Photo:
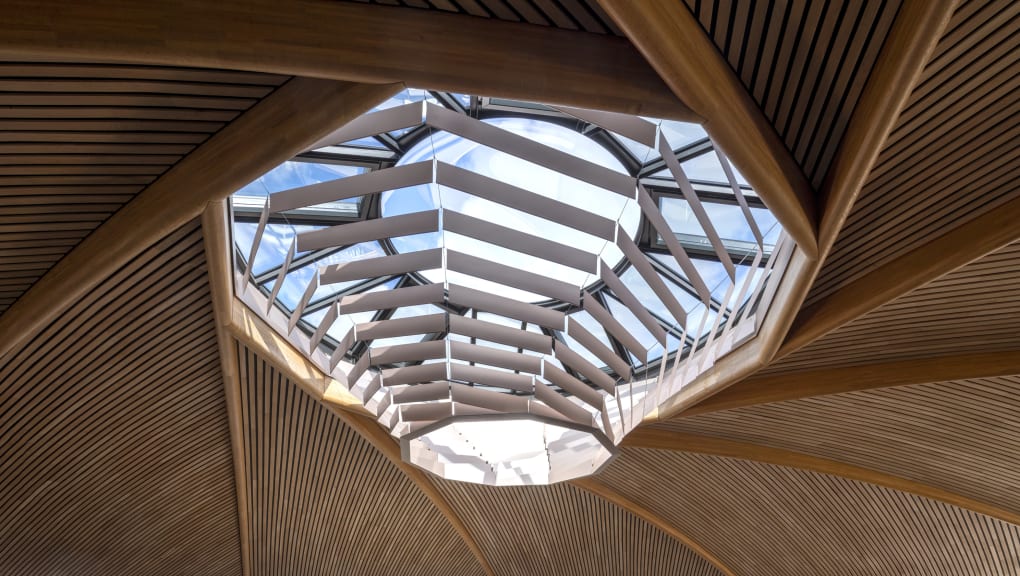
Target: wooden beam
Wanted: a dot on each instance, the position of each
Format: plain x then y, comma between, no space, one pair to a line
683,442
601,490
347,41
271,132
954,249
912,40
682,53
388,445
249,329
215,230
808,383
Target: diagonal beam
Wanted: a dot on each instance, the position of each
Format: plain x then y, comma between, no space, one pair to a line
958,247
271,132
912,40
253,332
915,33
347,41
603,491
676,46
808,383
684,442
215,237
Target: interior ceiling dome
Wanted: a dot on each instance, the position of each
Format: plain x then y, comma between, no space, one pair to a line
509,287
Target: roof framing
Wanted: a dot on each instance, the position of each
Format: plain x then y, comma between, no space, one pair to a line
349,41
940,256
915,34
302,111
712,446
764,389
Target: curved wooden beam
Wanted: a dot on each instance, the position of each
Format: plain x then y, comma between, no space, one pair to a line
235,320
822,382
347,41
958,247
674,43
912,40
271,132
602,491
684,442
216,238
915,34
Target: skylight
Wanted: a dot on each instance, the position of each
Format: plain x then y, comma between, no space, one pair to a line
448,263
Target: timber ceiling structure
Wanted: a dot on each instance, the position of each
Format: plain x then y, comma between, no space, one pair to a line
150,425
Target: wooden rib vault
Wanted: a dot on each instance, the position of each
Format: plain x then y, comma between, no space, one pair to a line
152,423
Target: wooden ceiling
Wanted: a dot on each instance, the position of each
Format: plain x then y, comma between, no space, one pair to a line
322,500
115,435
79,140
952,155
116,458
764,519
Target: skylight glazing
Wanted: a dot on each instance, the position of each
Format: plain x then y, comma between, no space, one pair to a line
452,257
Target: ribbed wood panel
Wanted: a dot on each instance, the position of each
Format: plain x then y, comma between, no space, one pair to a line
973,309
323,500
961,436
805,63
585,15
115,455
953,153
561,530
769,520
79,140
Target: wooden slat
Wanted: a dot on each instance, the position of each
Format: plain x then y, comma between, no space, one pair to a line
693,68
563,530
324,500
125,467
659,439
343,41
779,521
599,489
950,159
304,109
79,140
961,436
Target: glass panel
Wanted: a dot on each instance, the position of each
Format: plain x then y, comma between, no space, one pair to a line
296,174
632,324
680,134
276,240
707,168
366,142
296,281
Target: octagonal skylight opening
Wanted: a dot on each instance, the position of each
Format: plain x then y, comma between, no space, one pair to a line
464,259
